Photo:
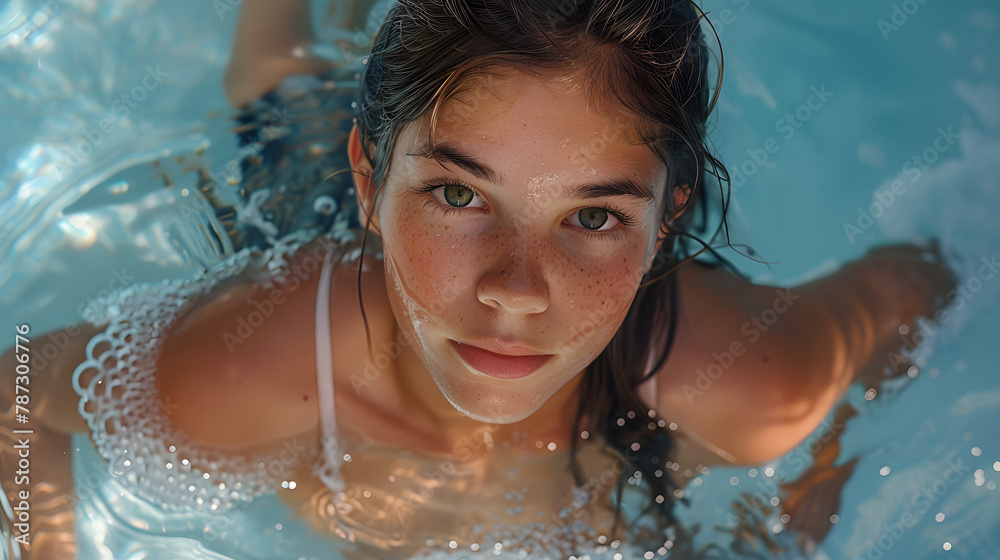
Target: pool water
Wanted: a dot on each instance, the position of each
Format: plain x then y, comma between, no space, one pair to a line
844,126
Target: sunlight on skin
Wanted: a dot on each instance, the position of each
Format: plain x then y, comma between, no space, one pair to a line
515,263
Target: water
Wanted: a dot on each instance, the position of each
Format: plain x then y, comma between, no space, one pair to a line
824,109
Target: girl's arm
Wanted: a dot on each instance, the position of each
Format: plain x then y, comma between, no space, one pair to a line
756,369
272,41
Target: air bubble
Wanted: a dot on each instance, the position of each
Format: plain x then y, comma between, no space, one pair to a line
324,205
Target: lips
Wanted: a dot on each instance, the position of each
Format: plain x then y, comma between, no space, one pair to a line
501,366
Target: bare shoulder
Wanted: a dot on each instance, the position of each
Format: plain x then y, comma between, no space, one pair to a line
729,380
247,349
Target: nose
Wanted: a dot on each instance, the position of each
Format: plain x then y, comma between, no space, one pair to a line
515,283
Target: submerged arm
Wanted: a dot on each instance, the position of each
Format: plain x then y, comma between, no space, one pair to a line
273,40
757,368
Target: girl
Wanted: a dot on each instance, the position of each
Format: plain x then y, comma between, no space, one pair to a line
517,324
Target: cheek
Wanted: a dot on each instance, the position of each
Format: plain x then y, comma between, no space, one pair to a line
432,259
598,290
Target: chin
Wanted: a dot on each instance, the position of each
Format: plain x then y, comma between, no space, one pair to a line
485,402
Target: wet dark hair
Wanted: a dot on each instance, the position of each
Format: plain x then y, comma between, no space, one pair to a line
645,61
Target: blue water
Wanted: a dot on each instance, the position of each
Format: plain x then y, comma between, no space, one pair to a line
823,110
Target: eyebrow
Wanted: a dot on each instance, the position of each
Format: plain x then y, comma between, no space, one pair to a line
616,186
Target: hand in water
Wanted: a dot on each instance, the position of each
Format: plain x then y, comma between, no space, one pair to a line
905,282
914,280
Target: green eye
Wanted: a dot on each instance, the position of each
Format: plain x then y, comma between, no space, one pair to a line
593,218
458,196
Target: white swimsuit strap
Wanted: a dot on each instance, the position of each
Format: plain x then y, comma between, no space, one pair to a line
324,352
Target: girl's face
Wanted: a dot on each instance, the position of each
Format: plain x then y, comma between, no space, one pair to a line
529,234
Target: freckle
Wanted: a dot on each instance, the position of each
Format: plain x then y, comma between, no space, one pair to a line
765,358
305,398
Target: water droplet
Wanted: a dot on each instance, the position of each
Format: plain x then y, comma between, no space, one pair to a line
324,205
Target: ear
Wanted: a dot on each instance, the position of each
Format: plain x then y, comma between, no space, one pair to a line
364,187
681,197
661,237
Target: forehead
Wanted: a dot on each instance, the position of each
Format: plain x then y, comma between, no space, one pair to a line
526,127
